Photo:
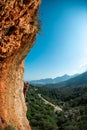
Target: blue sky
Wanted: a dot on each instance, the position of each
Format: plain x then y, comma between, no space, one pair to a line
61,48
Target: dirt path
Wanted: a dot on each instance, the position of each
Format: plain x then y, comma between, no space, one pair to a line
57,108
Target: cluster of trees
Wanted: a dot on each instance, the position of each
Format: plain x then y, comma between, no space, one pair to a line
40,115
73,101
75,95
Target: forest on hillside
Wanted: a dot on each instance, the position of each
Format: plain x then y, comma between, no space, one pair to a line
72,100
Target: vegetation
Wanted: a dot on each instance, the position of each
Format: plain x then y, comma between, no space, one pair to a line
73,101
37,23
40,115
9,128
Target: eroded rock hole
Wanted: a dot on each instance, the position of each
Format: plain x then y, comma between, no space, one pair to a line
1,59
10,30
0,7
26,1
3,120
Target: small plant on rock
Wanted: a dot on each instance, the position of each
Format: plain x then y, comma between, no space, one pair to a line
10,128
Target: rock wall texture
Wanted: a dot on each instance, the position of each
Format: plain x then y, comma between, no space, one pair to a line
18,28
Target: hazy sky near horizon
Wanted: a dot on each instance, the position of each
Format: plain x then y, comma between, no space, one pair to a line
61,48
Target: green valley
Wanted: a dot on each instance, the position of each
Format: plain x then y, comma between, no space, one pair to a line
73,101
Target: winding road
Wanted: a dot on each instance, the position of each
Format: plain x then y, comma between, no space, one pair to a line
56,108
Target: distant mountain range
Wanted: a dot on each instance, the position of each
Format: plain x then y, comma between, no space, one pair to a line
80,79
52,81
62,81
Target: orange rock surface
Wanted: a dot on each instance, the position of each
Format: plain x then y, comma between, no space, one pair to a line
18,28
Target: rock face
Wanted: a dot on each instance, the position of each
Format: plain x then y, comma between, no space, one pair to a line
18,28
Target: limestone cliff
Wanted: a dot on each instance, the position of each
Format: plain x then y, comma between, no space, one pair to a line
18,28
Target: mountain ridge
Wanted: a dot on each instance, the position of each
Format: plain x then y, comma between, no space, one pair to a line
80,79
52,80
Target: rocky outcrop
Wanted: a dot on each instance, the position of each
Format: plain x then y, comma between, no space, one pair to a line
18,28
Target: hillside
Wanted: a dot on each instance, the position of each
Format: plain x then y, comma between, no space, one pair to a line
73,101
40,115
70,95
50,80
80,79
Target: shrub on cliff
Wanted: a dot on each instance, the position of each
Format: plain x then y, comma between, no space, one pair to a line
10,128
